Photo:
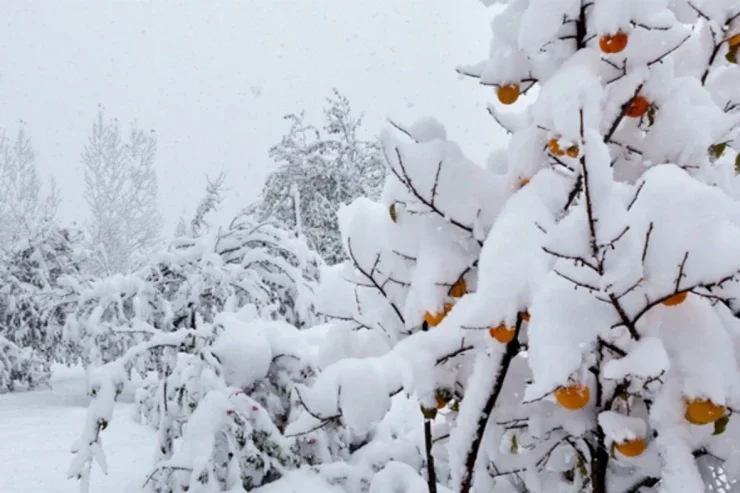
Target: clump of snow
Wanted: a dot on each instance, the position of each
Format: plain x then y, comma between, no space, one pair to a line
244,352
427,129
647,358
620,428
397,477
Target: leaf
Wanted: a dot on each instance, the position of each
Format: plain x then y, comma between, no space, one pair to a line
514,445
651,115
581,466
737,163
731,56
720,425
717,149
392,211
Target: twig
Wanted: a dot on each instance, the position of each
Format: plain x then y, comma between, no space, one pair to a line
373,281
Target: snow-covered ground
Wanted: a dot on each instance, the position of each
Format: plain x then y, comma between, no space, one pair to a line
38,428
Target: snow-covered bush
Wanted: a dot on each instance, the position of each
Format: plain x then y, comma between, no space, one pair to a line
255,264
594,337
34,274
213,326
318,172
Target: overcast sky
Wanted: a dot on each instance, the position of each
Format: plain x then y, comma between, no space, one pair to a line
214,79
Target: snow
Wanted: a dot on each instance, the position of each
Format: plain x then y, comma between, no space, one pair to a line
620,428
244,351
647,358
397,477
42,425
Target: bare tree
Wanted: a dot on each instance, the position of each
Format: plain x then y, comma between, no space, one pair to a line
121,191
24,209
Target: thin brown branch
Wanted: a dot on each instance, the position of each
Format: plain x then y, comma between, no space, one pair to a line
407,182
373,281
512,349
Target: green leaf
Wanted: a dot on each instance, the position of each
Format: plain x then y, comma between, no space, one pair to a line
720,425
717,149
731,56
581,466
514,445
737,163
392,211
651,115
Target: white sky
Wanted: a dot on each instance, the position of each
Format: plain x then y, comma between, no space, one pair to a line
214,79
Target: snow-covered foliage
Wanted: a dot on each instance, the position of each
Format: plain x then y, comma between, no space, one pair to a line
34,275
318,172
24,209
207,206
121,191
569,309
213,324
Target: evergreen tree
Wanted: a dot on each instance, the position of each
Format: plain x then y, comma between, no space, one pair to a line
36,276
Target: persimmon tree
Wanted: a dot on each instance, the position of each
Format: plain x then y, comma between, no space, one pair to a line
594,344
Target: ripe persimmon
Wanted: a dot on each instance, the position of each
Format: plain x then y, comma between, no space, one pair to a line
502,333
637,107
573,151
613,43
676,299
631,448
508,93
703,411
554,147
459,289
434,319
573,397
734,41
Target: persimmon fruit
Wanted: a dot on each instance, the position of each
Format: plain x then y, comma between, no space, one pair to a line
676,299
703,411
434,319
554,147
459,289
637,107
613,43
508,93
631,448
573,397
502,333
